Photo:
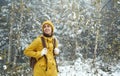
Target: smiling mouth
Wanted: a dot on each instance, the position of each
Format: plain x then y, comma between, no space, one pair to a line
47,30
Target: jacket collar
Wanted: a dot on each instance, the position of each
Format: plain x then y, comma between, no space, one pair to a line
49,39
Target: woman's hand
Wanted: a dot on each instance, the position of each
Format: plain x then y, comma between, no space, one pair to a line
44,51
56,51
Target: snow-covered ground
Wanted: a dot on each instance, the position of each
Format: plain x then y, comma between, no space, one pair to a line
84,69
81,67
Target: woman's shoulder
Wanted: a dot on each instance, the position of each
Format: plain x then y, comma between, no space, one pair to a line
54,37
38,38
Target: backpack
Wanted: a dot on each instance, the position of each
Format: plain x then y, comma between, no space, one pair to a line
33,60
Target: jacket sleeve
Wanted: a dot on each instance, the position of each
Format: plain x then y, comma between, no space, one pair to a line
32,49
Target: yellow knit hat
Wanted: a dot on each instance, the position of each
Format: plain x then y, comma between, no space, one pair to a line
48,22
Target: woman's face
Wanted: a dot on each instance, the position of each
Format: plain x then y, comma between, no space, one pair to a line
47,29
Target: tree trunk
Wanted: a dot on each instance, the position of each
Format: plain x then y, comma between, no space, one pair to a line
19,34
10,34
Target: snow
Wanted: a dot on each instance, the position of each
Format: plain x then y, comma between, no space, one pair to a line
1,58
4,67
116,74
81,68
118,2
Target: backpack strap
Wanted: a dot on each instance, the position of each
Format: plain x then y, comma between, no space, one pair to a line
54,46
43,42
44,45
54,43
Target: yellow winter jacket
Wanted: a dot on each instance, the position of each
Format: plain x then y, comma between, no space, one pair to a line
34,50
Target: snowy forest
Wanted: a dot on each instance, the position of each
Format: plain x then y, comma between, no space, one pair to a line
88,32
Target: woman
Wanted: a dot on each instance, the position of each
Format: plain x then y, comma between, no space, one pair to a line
36,50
